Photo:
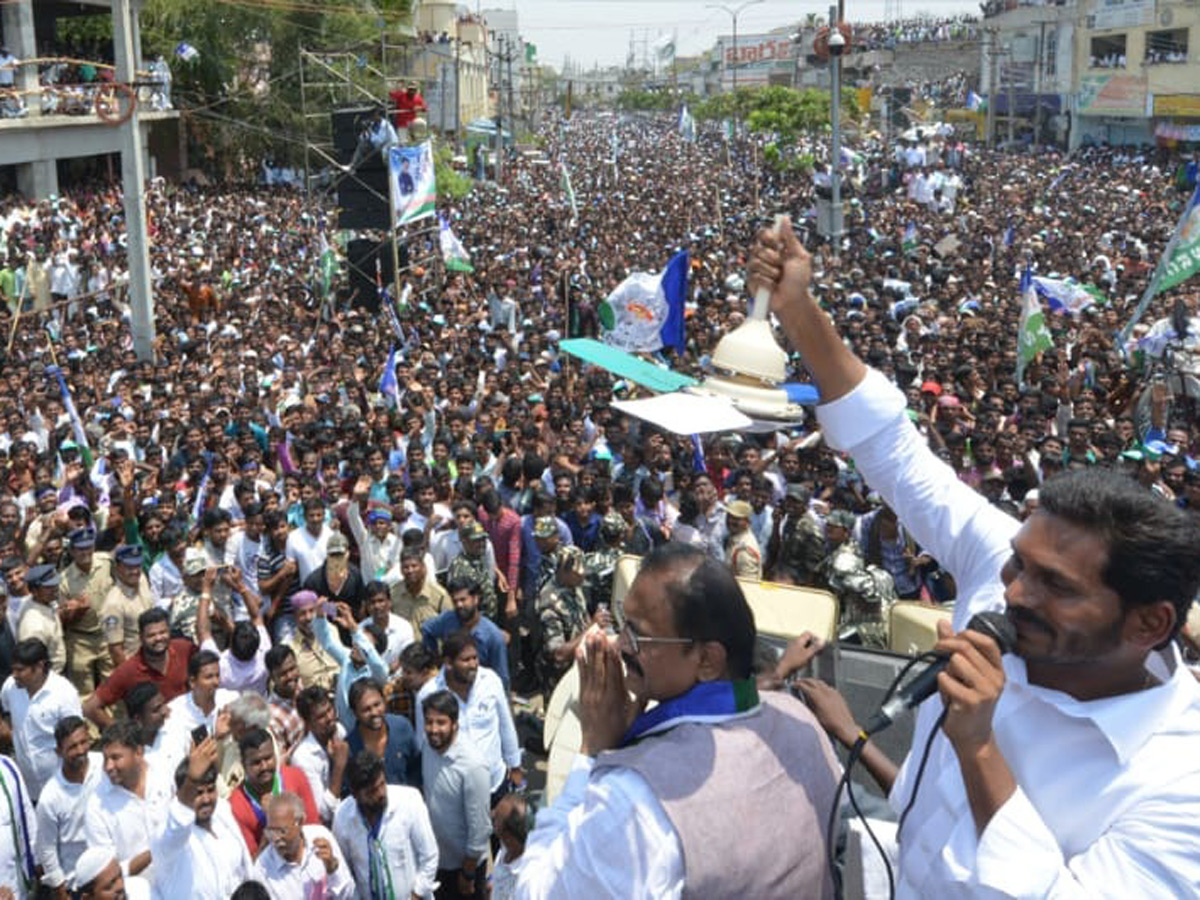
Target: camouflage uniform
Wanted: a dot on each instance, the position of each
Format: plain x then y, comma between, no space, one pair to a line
476,569
563,614
865,593
801,548
546,569
598,569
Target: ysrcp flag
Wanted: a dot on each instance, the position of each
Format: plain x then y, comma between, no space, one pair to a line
454,254
1183,259
687,125
645,312
411,179
1033,337
1067,295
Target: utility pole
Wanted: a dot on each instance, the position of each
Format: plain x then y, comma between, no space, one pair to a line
512,116
1008,69
499,114
1037,83
133,177
993,85
457,90
733,14
836,45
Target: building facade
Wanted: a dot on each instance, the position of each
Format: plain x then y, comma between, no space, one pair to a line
49,108
450,60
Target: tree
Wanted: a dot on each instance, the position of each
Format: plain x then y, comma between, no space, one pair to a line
241,94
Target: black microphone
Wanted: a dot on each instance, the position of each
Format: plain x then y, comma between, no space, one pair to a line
993,624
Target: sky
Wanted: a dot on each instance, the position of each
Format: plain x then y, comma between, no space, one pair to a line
597,31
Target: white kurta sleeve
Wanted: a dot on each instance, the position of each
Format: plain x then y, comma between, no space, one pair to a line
605,837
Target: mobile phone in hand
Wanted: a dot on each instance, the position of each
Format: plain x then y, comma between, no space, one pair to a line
199,733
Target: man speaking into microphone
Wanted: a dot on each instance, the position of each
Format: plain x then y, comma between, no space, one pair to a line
1070,767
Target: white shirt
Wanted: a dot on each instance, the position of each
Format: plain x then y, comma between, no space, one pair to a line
311,759
199,863
33,721
238,676
60,819
407,839
184,716
19,816
307,878
380,560
1107,800
602,837
166,582
485,719
306,550
120,819
245,555
168,750
399,635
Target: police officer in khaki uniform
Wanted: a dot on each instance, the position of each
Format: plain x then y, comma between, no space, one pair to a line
127,599
81,592
742,552
39,619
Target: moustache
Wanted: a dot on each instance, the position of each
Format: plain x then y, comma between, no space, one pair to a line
1020,616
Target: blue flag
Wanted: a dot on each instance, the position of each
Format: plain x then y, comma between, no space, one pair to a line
645,312
674,289
699,465
388,386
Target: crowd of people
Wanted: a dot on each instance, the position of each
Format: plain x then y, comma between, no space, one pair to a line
70,78
267,617
920,30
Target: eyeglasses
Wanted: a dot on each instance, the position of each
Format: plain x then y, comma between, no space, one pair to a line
636,640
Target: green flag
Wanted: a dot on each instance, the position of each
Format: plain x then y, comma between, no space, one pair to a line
1033,337
1180,260
328,264
531,53
569,191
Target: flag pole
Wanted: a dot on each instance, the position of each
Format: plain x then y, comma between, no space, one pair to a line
1152,287
720,215
17,313
395,226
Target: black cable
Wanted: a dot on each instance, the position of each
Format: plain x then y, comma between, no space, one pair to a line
844,784
830,830
887,866
912,797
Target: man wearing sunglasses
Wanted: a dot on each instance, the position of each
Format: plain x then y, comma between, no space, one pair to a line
677,794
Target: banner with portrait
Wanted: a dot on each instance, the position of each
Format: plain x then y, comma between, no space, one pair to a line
411,182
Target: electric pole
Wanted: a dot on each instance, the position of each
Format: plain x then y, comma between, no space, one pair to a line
133,176
512,113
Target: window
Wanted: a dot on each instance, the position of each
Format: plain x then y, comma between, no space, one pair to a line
1167,46
1108,52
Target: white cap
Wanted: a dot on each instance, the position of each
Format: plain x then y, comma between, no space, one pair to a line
91,863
